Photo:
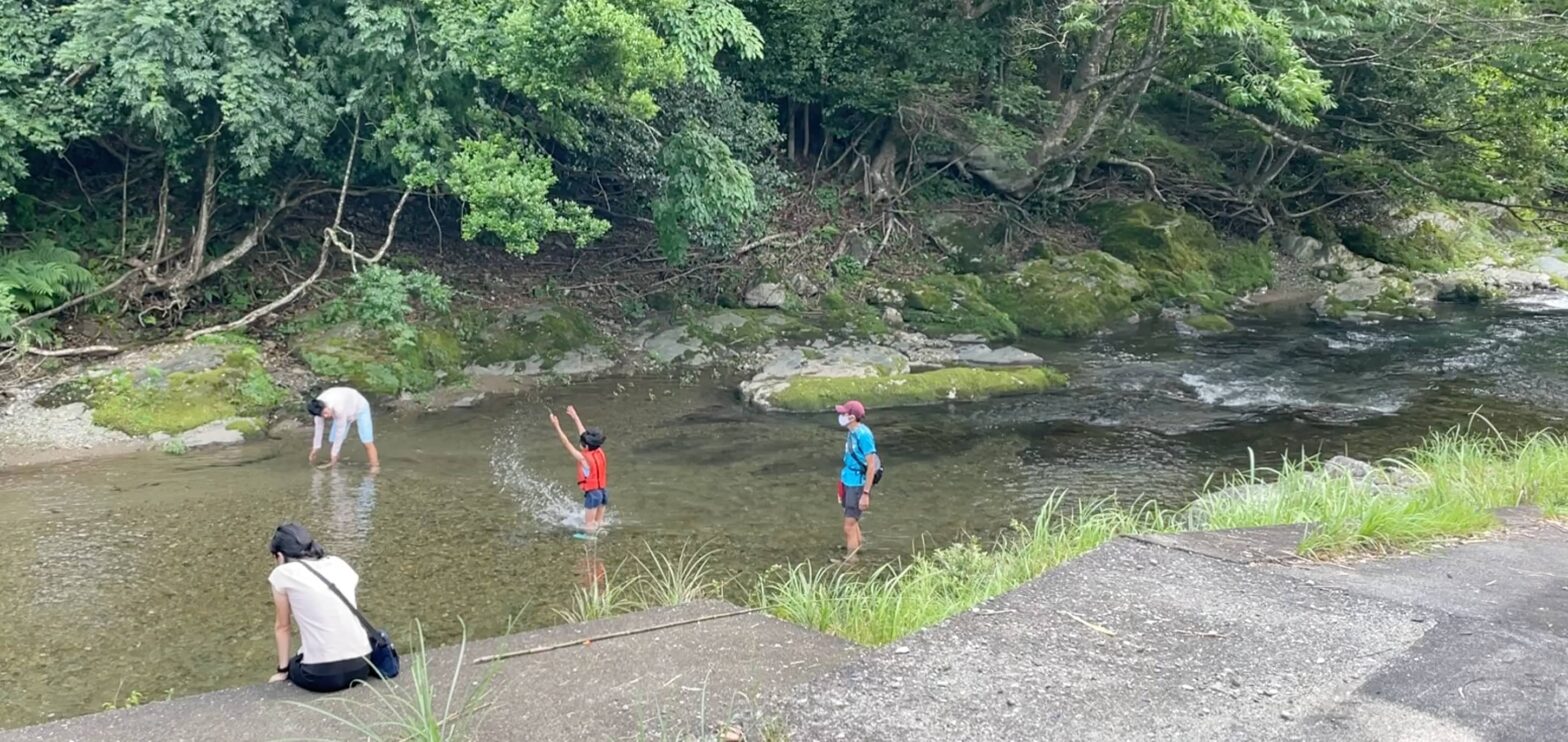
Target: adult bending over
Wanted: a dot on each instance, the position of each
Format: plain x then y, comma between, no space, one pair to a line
343,406
332,642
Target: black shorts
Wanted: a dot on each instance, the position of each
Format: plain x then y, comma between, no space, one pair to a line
851,502
327,677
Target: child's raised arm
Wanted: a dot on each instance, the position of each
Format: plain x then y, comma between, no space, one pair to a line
572,411
565,441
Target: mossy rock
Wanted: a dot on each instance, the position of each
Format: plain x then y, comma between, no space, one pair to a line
742,329
944,304
843,315
372,361
1471,290
1069,296
1210,324
1169,248
1382,296
1242,267
250,427
1435,240
545,334
152,401
973,243
820,394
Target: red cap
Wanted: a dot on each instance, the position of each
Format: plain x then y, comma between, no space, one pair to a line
853,409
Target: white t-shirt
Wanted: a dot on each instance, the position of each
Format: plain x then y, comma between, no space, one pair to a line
328,630
346,405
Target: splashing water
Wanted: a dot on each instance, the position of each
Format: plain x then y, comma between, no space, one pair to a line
545,499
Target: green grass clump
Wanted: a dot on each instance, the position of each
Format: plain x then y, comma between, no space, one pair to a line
899,599
817,394
1443,489
180,401
1070,296
942,304
650,582
1454,480
415,705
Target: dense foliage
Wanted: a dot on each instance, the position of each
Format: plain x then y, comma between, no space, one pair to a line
177,138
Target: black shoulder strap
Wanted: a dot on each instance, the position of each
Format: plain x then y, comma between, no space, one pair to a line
334,588
854,450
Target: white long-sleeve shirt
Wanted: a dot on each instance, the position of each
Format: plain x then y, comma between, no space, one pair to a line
346,405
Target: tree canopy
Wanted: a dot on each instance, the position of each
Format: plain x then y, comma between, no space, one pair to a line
184,134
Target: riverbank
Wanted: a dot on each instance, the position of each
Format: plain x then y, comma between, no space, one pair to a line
1196,635
930,324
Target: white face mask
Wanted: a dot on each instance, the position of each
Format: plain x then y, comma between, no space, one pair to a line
844,420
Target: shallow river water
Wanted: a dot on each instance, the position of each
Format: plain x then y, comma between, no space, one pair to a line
148,572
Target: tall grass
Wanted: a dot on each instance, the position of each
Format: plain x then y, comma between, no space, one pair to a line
898,599
686,577
646,582
1444,488
414,707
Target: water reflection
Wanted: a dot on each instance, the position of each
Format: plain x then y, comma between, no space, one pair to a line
349,505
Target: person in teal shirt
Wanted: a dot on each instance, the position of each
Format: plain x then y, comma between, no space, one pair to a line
862,468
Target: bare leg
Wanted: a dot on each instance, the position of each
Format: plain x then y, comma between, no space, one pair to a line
851,537
375,459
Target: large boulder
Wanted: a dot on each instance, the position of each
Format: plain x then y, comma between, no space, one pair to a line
943,304
211,381
375,361
972,242
1372,298
545,339
1181,256
767,296
727,337
1069,296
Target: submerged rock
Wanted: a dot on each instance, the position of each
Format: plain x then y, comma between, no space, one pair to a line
799,378
820,394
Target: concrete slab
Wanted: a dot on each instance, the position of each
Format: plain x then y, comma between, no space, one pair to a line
1516,579
665,684
1240,545
1132,641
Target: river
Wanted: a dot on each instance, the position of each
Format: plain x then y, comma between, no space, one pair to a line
148,572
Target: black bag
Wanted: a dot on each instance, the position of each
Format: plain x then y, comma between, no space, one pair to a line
383,656
875,478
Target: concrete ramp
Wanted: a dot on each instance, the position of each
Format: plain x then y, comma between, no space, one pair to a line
662,684
1132,641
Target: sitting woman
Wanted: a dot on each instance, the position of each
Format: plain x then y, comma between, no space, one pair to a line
332,641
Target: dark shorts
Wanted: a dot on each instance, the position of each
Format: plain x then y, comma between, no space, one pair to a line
852,503
596,499
327,677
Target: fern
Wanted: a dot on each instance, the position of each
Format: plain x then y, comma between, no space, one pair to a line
32,280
